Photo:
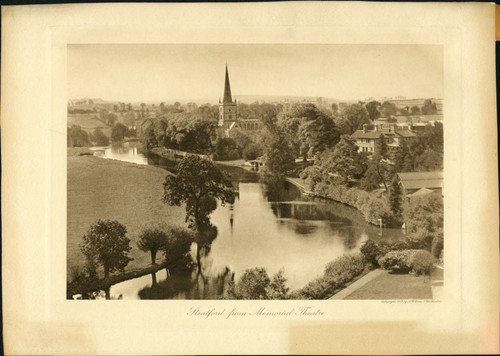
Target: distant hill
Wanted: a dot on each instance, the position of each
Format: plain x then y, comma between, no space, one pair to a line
249,99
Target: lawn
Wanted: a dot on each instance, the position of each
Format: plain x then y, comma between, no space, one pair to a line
394,286
108,189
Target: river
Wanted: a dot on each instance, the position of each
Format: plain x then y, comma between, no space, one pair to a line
275,227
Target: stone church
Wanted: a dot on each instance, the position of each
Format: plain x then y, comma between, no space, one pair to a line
228,114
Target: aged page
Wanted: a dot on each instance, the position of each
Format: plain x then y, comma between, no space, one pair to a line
303,178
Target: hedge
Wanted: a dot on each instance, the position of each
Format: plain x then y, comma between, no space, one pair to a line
373,207
335,276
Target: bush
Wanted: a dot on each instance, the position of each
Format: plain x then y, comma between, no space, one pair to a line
371,251
397,245
421,240
398,261
437,245
336,275
404,261
344,268
252,151
256,284
423,262
320,288
372,206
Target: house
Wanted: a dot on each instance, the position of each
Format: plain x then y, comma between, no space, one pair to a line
394,136
420,183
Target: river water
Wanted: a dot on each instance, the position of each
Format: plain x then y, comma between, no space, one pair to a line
275,227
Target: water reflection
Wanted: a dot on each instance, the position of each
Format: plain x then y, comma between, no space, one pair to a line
122,151
189,286
271,225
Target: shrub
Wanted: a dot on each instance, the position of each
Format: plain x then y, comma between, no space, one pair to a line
252,151
253,284
336,275
398,261
422,262
371,251
256,284
320,288
397,245
420,240
344,268
437,245
404,261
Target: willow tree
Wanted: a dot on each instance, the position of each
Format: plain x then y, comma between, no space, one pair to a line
198,184
152,240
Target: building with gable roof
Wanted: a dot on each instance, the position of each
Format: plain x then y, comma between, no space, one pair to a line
394,135
420,183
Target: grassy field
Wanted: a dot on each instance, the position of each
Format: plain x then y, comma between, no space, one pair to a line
88,122
109,189
394,286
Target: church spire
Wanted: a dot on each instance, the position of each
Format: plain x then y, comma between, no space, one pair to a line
227,90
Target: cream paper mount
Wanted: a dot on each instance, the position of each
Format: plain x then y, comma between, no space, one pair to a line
39,320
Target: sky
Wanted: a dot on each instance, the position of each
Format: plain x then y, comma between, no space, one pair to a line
190,72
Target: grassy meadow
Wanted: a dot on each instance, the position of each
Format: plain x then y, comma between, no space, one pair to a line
109,189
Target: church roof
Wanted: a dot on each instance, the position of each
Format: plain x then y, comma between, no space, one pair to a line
227,89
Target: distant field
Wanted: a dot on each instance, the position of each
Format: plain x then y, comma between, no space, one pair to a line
418,102
108,189
415,119
88,122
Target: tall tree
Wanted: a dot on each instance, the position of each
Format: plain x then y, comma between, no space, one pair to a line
353,118
381,147
317,134
278,156
395,198
371,179
372,108
341,161
198,184
429,107
119,132
77,137
100,137
388,109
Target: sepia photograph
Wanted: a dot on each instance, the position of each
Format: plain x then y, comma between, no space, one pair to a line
255,171
273,178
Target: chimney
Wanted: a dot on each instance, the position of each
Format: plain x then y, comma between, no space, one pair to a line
376,127
364,128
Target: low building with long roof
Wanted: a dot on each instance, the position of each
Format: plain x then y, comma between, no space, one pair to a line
420,183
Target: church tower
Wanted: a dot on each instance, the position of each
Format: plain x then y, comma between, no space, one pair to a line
228,110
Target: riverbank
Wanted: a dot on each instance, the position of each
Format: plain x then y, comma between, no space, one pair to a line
109,189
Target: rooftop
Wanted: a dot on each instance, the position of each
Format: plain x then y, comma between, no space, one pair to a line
418,180
367,134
